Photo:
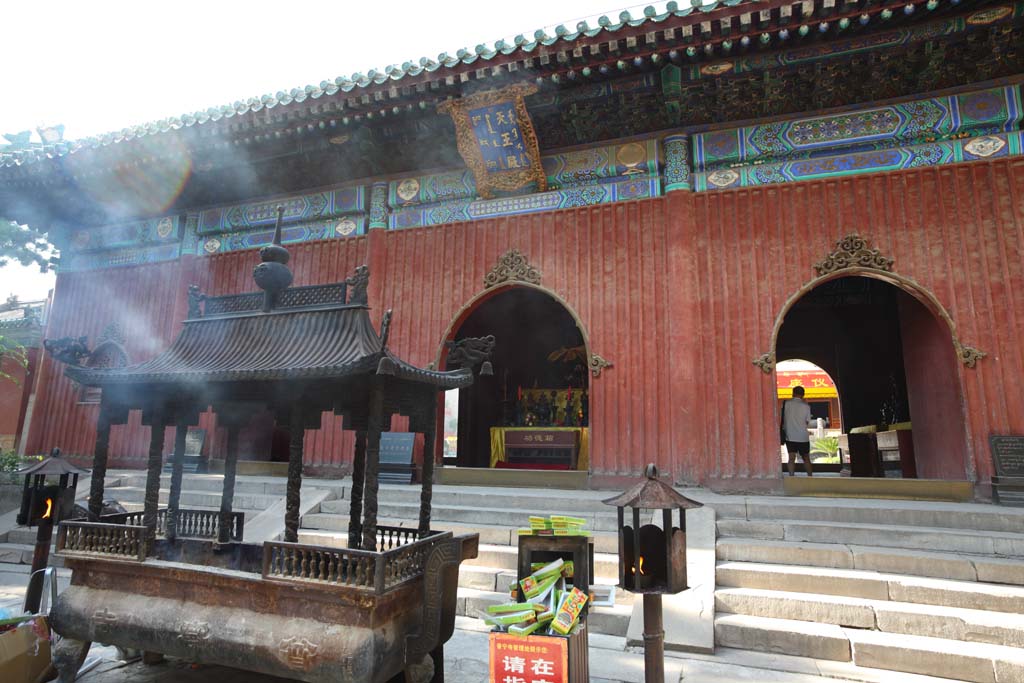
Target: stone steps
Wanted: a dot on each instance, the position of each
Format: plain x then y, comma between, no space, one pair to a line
871,585
21,554
529,501
212,483
939,539
514,516
969,625
965,567
242,502
838,513
941,657
914,587
332,530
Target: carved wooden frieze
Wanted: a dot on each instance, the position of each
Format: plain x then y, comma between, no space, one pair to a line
852,252
512,267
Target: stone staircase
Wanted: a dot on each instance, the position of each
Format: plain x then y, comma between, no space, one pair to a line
915,587
494,513
935,589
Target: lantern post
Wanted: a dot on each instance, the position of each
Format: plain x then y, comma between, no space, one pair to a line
652,559
48,497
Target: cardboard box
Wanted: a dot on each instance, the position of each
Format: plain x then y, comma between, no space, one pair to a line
25,652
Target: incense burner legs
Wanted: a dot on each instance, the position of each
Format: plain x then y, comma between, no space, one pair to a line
68,656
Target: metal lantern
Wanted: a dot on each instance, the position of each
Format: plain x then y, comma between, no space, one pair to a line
48,497
652,559
49,493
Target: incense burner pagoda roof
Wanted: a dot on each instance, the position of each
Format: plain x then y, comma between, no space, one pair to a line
705,32
302,342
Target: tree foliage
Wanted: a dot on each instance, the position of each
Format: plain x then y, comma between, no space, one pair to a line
13,351
23,244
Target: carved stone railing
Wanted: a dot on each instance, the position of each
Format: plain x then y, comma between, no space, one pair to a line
121,541
191,523
375,571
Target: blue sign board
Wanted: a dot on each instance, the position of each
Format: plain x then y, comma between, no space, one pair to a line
498,136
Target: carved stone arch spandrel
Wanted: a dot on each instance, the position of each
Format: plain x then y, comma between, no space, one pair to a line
853,256
513,266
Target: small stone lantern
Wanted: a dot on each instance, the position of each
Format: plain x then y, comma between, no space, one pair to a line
652,559
44,503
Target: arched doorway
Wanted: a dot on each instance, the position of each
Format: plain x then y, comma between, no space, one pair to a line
881,340
540,381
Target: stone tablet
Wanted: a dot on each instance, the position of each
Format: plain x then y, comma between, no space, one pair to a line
1007,455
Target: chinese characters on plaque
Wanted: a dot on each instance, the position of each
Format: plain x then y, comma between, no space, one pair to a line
496,139
533,659
497,134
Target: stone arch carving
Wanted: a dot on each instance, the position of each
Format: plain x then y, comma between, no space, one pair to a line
853,257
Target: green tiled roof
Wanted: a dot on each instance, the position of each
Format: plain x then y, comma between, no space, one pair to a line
391,74
712,26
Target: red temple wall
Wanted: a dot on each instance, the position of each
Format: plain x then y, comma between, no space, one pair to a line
680,293
12,398
936,408
957,230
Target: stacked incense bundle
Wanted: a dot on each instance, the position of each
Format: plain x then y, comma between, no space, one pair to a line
556,525
551,602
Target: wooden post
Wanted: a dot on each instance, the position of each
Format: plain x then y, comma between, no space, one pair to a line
40,558
293,502
654,639
99,463
427,485
355,511
153,468
228,494
180,432
375,427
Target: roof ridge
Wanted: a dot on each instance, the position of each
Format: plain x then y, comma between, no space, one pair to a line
374,76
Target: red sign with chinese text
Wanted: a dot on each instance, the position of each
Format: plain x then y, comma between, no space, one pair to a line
533,659
541,438
808,379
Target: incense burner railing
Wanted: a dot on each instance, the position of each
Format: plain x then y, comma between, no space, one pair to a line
120,541
191,523
400,559
336,615
338,566
389,537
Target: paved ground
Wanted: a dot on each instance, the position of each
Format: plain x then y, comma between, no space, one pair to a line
466,654
466,662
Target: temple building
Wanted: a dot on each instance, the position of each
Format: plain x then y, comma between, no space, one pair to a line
21,323
647,213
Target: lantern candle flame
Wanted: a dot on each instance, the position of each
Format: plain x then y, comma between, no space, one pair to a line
641,567
49,508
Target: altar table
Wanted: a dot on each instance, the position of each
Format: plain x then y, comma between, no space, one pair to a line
498,443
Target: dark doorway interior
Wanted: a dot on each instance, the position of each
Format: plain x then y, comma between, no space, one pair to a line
893,359
849,327
529,326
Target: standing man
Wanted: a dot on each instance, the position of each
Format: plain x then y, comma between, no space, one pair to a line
796,416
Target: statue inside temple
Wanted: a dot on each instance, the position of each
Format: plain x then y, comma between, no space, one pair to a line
543,411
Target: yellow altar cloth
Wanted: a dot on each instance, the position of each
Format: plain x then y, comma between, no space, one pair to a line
498,444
